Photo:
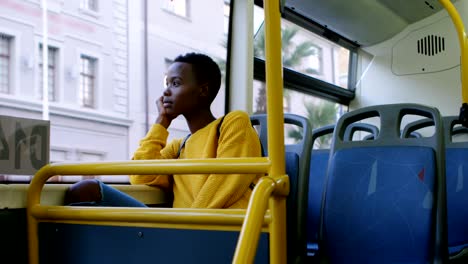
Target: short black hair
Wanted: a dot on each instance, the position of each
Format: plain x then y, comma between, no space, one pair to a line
205,70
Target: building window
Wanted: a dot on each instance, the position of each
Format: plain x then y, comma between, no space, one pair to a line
87,81
5,54
178,7
167,63
226,10
91,5
52,71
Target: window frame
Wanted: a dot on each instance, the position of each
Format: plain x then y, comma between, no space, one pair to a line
84,4
8,57
166,8
54,68
308,84
81,91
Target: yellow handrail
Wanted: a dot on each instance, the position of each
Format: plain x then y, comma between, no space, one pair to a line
457,21
275,120
250,233
141,216
270,192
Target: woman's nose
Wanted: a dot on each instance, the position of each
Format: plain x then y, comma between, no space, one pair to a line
166,91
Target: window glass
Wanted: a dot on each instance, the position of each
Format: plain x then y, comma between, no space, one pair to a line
306,52
107,71
320,112
87,81
178,7
5,54
52,61
227,10
91,5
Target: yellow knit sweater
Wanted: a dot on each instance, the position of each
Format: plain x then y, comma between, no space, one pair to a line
237,139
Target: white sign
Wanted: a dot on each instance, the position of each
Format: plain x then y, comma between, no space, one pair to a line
24,145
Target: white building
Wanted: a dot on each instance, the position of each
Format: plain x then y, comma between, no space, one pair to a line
103,79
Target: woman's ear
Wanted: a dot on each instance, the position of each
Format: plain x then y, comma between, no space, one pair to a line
204,90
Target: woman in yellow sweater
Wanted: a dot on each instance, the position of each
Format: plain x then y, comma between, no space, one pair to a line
192,83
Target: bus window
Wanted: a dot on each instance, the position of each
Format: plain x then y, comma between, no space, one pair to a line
320,112
107,62
316,74
306,52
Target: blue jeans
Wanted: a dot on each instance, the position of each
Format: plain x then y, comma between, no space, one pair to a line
112,197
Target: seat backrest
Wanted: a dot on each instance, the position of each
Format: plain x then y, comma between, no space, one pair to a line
410,129
384,199
456,165
355,127
457,194
297,158
318,170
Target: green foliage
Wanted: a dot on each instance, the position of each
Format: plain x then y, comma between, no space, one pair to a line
319,114
293,54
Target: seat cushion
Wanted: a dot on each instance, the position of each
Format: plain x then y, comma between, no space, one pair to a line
379,205
457,198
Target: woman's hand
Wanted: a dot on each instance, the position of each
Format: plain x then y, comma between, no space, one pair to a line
163,118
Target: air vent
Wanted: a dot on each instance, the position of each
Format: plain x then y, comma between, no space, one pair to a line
426,47
431,45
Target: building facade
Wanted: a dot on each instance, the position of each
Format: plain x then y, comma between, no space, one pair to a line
106,65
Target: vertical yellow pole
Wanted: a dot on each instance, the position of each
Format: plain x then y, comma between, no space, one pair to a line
457,21
33,243
275,120
274,84
32,200
250,233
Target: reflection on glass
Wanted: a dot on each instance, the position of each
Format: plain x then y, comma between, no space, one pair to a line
105,70
306,52
320,112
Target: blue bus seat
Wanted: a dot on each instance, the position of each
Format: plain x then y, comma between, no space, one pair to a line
456,165
384,199
409,131
457,194
318,169
96,244
297,156
355,127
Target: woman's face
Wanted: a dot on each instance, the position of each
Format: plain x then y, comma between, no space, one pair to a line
182,93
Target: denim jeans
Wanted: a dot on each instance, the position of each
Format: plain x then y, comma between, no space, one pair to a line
112,197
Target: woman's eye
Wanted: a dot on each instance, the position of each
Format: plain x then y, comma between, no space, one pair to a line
175,84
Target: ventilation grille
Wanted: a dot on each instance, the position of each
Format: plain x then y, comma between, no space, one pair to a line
431,45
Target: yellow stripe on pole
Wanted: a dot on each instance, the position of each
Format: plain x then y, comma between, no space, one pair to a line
457,21
274,84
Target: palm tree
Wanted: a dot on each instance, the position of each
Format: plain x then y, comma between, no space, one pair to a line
320,114
293,54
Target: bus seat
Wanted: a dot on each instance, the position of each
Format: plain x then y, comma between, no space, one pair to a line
409,131
365,127
95,244
455,166
384,199
297,156
318,169
457,195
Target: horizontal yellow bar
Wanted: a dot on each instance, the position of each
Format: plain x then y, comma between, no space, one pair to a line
142,167
215,227
142,215
167,166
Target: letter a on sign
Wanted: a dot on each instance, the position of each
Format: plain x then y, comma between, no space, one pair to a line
24,145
